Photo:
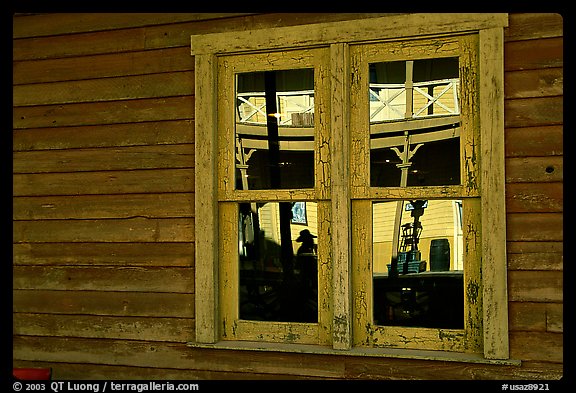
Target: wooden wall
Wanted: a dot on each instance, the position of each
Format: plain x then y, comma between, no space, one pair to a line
534,185
103,185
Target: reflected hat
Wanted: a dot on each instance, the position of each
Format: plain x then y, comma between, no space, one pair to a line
305,234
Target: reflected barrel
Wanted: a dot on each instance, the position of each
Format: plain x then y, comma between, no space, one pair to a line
439,255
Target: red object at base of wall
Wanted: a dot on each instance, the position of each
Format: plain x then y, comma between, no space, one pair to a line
32,373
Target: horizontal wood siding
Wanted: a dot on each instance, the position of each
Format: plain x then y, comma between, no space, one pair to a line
103,203
534,186
103,184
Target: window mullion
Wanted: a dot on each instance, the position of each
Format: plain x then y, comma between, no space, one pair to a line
340,189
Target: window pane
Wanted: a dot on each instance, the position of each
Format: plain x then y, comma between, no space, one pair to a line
278,261
275,130
414,123
425,288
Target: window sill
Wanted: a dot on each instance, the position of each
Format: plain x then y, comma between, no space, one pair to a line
358,351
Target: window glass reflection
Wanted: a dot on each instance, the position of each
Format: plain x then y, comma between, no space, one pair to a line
414,123
418,263
275,130
278,259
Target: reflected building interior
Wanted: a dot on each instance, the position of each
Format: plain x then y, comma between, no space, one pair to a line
274,136
417,245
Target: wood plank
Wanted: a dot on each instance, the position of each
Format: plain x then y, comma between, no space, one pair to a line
124,111
162,355
541,317
104,159
525,26
534,227
376,369
102,66
105,182
168,84
136,304
530,112
104,254
534,54
534,141
534,197
555,318
68,23
173,205
171,132
545,82
535,247
114,327
527,316
535,286
340,219
121,279
541,346
535,169
535,256
82,44
138,229
75,371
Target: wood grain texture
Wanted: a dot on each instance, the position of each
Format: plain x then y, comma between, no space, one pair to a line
112,112
131,279
136,229
169,132
536,286
534,54
528,26
105,159
98,302
169,205
535,227
534,197
169,84
104,182
67,23
102,66
105,254
114,327
534,141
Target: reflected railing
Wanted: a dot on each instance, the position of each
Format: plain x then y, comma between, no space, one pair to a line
433,98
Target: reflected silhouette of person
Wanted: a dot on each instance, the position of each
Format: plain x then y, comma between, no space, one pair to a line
307,261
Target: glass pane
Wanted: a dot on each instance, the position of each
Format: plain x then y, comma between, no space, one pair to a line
418,263
414,123
275,130
278,259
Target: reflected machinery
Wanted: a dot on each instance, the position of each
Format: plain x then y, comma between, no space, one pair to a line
409,258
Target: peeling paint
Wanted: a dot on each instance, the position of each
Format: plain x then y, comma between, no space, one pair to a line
472,292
